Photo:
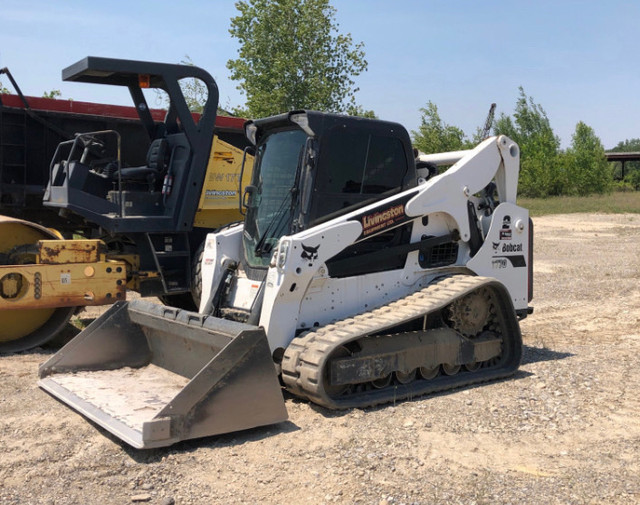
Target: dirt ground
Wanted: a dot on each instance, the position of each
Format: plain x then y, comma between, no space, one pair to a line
565,429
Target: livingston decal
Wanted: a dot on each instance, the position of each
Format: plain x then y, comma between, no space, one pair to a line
378,221
385,216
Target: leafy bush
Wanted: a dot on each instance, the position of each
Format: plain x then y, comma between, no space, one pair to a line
545,170
587,168
633,179
435,136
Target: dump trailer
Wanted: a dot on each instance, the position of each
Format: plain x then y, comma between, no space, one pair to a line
369,281
133,199
31,129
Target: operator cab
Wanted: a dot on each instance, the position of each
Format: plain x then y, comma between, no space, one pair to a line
312,166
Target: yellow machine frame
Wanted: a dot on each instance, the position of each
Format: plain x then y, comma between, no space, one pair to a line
66,273
219,201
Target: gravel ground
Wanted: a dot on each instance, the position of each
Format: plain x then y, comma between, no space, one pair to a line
563,430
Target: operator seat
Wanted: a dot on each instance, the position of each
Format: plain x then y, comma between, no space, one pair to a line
157,160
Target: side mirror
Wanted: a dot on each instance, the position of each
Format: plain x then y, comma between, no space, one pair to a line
248,197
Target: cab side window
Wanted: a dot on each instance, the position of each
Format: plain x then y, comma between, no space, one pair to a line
356,166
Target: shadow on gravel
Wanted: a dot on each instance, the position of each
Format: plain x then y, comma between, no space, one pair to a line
235,439
538,354
530,355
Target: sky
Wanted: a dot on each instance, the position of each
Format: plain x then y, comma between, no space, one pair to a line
577,59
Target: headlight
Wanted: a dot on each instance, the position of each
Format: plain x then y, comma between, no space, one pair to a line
302,121
283,253
250,131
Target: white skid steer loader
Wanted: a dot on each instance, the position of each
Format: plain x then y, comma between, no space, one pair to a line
360,276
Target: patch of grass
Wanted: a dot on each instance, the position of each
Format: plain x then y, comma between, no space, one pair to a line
613,203
80,323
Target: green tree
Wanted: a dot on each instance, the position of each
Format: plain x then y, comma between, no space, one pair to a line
586,164
541,173
3,90
434,135
54,93
627,146
357,110
292,56
194,91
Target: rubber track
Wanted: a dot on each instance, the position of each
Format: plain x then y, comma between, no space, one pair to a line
307,356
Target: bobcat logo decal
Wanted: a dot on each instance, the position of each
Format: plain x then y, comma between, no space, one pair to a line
309,253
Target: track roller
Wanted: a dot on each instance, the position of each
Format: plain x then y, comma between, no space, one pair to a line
459,330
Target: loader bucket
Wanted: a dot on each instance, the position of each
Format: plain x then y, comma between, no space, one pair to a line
154,375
